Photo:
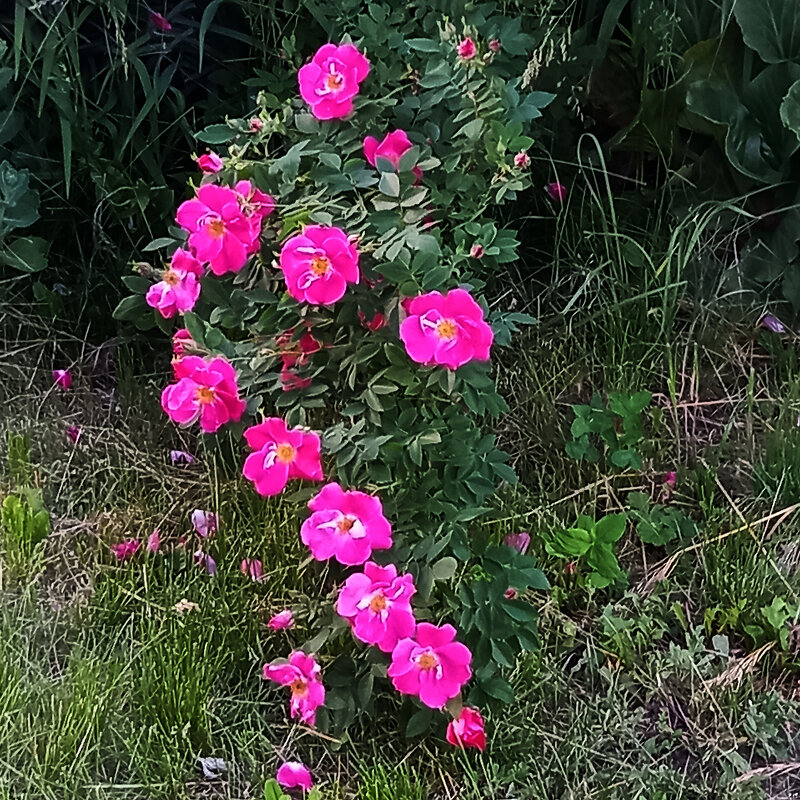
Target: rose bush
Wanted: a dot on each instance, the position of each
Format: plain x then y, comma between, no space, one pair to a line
339,280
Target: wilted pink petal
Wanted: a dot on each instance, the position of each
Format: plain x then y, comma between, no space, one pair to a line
256,124
522,160
556,191
73,433
374,324
511,593
125,550
294,775
205,523
62,378
282,620
518,541
154,542
494,45
160,22
477,251
772,323
670,478
206,561
181,457
253,569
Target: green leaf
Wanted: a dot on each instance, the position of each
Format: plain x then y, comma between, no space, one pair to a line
215,134
444,569
611,527
27,254
424,45
157,244
18,202
130,308
389,184
498,688
770,27
419,722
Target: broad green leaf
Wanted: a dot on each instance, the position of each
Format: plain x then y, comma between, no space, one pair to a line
27,254
771,28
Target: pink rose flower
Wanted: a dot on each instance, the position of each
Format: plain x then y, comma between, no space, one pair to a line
255,205
346,526
318,264
205,523
280,455
180,340
179,288
518,541
253,568
446,329
302,675
294,775
219,231
522,160
63,379
374,324
377,603
432,666
210,162
477,251
154,541
467,730
255,124
282,620
466,49
125,550
392,147
160,22
330,81
206,391
556,191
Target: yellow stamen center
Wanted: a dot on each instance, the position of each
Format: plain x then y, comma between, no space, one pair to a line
377,604
172,278
334,81
427,661
446,329
204,395
320,265
345,524
285,453
215,228
298,686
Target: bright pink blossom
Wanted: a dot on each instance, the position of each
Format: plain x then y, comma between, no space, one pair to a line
446,329
294,775
179,288
280,455
180,340
467,730
432,665
210,162
63,379
205,523
377,603
330,81
220,233
518,541
256,205
154,541
556,191
253,568
206,390
392,147
302,675
318,264
477,251
466,49
522,160
346,526
160,22
125,549
374,324
282,620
